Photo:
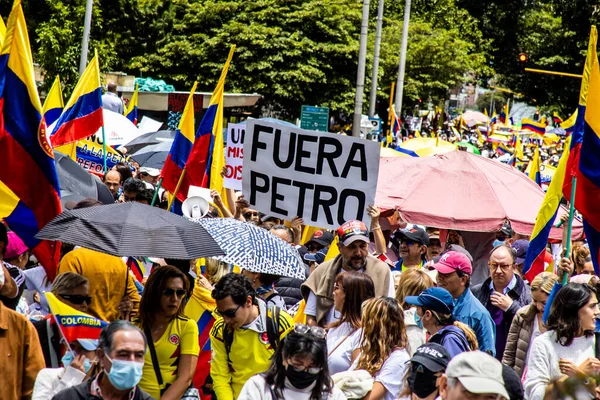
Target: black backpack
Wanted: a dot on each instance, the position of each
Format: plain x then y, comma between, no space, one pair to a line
273,313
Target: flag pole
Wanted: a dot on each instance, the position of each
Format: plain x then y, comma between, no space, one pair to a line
176,189
104,148
158,186
565,276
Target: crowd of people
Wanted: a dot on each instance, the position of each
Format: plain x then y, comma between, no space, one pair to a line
385,311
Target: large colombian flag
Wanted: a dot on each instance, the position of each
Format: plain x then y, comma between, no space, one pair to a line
74,324
29,189
180,149
82,116
569,124
132,108
532,126
207,157
54,103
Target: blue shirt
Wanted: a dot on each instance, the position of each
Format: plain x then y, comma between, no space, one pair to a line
469,310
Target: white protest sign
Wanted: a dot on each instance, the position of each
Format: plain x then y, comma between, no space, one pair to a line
324,178
234,156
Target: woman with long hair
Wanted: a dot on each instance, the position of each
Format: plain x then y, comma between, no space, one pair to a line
412,283
350,290
383,347
168,332
298,370
528,324
582,261
434,313
567,349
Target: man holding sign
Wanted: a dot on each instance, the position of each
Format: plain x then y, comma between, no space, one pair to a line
324,179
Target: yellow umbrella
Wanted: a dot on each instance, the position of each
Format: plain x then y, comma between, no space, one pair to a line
388,152
424,147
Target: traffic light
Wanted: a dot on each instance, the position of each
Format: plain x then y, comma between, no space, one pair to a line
522,58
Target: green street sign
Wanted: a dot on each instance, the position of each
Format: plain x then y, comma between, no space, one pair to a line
315,118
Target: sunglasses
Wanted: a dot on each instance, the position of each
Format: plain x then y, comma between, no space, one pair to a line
407,241
250,214
170,292
228,313
314,330
77,298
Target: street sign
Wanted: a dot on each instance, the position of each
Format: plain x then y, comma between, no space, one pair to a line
315,118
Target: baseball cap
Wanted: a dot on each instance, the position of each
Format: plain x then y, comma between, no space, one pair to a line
520,246
323,238
317,257
432,356
352,231
150,171
15,246
435,299
478,372
433,233
454,261
87,344
415,234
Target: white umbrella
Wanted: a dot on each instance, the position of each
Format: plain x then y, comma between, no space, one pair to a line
117,129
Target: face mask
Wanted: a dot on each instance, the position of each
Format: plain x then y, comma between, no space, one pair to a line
124,374
67,359
418,321
422,383
299,379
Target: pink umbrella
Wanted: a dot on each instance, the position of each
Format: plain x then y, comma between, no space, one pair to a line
463,191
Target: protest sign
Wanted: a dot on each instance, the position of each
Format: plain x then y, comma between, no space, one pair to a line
324,178
234,156
90,156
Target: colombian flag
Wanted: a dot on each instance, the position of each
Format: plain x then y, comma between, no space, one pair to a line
74,324
556,119
200,308
504,115
132,109
531,125
534,170
534,260
180,149
137,268
207,156
54,104
494,119
82,116
569,124
29,189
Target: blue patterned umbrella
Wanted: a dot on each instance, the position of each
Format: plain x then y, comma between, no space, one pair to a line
254,248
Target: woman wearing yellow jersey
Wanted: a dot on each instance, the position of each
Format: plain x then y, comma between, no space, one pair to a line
172,355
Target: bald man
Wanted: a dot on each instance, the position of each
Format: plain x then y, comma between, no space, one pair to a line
113,181
111,100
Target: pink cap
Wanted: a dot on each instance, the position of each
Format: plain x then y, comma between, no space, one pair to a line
454,261
15,247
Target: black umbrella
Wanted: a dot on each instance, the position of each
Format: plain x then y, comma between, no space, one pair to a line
77,184
149,138
132,229
153,156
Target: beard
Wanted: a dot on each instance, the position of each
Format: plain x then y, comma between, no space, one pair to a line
356,267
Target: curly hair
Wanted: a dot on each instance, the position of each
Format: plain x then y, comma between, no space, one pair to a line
579,255
383,332
412,283
564,312
358,287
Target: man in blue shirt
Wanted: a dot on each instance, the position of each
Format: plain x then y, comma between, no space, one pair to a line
454,275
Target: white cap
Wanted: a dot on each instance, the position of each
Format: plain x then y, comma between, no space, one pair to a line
150,171
478,372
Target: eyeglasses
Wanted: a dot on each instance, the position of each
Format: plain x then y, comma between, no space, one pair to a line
250,214
337,287
171,292
316,331
310,370
503,267
77,298
228,313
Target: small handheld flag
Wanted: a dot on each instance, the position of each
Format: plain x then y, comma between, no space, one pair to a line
132,108
74,324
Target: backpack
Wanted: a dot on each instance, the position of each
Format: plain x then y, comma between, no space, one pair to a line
273,313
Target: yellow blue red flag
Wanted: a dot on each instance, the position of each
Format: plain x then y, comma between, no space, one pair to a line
132,108
82,116
54,103
532,126
29,188
534,171
73,323
207,156
569,124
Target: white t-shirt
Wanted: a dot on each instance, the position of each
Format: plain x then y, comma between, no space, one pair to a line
341,358
256,388
391,374
534,334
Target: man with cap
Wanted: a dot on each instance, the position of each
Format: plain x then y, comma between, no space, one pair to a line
454,274
503,293
412,248
434,248
319,240
426,368
434,313
149,175
12,283
354,255
473,375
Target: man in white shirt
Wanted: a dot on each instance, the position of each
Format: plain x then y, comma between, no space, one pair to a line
111,100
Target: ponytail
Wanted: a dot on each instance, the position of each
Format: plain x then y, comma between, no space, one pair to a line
469,334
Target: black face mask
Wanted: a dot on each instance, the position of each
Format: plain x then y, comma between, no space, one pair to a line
422,383
299,379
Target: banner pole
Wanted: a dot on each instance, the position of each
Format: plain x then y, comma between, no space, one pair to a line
565,276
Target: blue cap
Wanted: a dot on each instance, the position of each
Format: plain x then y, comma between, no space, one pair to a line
435,299
317,257
88,344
